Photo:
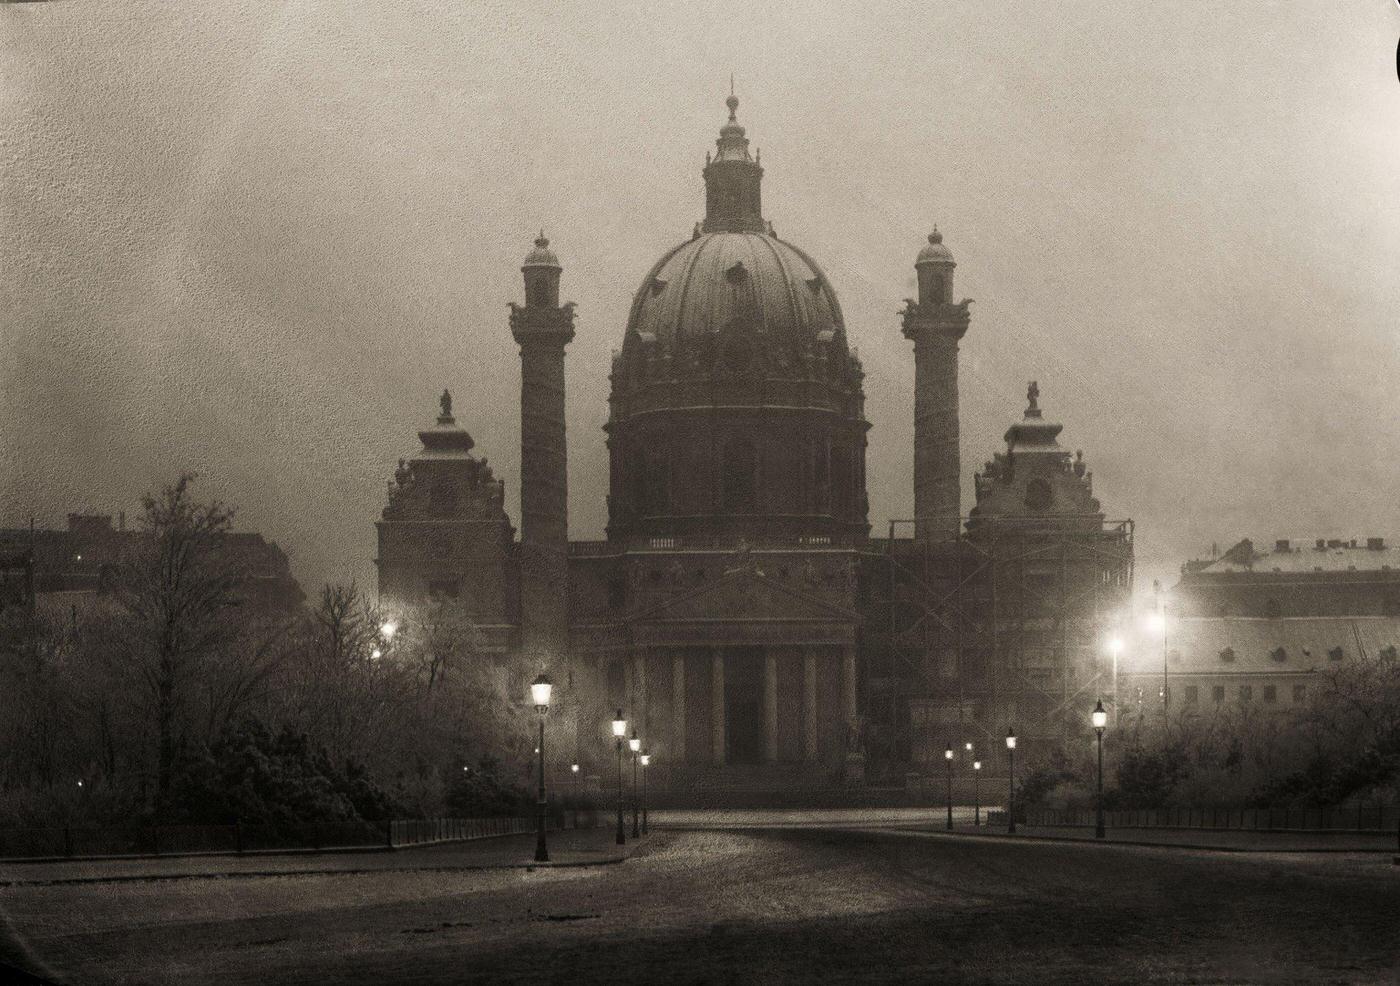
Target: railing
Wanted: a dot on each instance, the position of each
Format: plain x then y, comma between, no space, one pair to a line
160,840
1361,817
708,542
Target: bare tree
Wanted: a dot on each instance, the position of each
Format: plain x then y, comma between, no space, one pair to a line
176,599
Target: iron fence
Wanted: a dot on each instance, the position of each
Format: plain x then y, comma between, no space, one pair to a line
160,840
1360,817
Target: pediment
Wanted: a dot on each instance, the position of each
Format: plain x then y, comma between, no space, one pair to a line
745,596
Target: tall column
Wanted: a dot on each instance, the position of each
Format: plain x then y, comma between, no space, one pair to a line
935,325
677,708
848,681
542,328
770,705
809,706
717,705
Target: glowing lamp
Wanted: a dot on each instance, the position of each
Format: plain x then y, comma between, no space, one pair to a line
1010,740
634,744
1099,716
619,725
540,690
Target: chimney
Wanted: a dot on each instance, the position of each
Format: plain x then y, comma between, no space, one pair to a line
1375,544
1281,546
1321,544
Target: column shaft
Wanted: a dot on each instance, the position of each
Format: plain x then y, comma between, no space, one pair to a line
677,708
848,681
809,706
770,705
717,705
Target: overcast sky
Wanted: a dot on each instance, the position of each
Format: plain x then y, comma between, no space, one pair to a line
256,240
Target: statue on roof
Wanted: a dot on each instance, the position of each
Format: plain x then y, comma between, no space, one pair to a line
1032,395
445,402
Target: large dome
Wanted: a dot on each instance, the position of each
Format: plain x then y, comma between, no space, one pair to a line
746,280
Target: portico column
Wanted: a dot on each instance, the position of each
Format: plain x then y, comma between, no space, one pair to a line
678,707
717,705
809,706
848,680
770,705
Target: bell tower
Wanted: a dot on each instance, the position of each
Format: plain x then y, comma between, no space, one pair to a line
542,328
935,325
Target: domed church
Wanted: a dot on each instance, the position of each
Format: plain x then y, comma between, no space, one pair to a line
740,611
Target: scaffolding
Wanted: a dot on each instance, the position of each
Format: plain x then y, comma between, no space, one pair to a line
1004,627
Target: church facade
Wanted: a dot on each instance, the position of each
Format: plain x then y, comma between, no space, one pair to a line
739,610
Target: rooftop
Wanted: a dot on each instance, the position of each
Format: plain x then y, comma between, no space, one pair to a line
1307,555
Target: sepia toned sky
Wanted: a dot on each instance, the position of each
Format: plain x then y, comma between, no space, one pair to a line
256,240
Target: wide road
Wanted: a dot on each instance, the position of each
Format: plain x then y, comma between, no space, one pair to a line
767,906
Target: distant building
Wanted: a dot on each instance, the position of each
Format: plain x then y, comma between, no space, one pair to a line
63,572
1322,577
1271,664
1258,627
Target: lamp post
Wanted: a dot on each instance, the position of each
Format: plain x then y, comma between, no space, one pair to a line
635,745
1100,719
645,758
573,769
948,758
976,793
540,691
1011,782
619,728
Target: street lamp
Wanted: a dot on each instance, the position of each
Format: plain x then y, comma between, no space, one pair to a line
573,769
646,760
540,691
1100,719
976,793
948,758
636,746
1011,781
388,629
619,727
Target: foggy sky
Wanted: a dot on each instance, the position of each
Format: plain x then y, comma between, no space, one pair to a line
257,240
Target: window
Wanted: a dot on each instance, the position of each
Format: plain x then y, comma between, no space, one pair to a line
1246,692
1279,654
1335,654
1300,693
1192,694
1271,609
740,463
444,588
1387,653
617,592
1217,693
1227,655
1038,494
1270,693
443,499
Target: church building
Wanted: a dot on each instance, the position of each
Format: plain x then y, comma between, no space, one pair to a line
740,610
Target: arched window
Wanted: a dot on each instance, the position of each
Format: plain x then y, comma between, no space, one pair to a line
658,486
1272,610
821,475
636,466
1038,494
739,467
